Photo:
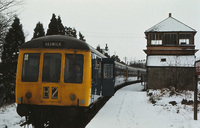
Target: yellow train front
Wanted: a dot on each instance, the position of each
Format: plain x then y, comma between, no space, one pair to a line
53,73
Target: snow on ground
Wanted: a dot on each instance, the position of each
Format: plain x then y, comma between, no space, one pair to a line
131,108
9,117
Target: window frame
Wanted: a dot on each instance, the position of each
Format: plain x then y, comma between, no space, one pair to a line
43,77
156,39
170,39
23,65
69,71
183,37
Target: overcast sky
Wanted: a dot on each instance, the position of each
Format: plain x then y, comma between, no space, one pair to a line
118,23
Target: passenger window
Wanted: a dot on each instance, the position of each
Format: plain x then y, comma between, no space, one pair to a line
73,68
51,67
30,69
108,71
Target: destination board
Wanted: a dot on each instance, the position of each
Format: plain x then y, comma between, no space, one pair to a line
53,44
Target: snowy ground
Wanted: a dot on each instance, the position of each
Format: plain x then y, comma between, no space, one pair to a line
9,117
131,108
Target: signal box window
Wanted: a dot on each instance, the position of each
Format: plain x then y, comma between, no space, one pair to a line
51,67
156,39
73,68
185,39
30,68
170,39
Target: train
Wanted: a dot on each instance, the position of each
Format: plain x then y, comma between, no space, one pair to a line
57,76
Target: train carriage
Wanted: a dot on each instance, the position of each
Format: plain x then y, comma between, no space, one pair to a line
57,73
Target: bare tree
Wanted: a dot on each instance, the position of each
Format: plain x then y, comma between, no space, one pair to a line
8,10
180,72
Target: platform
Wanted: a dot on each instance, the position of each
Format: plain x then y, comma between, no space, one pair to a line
131,108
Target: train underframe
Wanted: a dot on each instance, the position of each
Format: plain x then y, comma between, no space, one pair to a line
42,116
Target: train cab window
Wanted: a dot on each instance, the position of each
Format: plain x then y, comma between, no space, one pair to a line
73,68
108,71
51,67
30,69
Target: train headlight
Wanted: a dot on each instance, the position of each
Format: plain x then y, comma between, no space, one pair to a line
72,97
28,95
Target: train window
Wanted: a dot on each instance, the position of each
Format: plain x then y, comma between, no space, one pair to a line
51,67
54,92
108,71
46,92
73,68
30,68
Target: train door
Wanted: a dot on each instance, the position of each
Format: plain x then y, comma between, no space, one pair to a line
96,76
108,76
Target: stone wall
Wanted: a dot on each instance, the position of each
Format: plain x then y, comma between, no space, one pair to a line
182,78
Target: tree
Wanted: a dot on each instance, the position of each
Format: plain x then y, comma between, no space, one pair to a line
99,49
7,13
38,31
178,69
13,40
70,32
53,26
81,37
61,28
138,63
116,57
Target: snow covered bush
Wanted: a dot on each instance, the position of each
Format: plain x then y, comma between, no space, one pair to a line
170,96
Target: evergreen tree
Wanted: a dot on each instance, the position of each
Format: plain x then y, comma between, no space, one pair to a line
81,37
38,31
116,57
13,40
53,26
70,32
61,28
74,33
99,49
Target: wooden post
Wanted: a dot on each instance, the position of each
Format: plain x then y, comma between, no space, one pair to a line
197,73
195,98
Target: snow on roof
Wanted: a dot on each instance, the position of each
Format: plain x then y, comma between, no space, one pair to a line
170,24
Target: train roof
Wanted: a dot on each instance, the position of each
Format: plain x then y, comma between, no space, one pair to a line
129,67
56,41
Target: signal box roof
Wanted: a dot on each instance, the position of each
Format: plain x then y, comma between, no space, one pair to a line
170,24
56,41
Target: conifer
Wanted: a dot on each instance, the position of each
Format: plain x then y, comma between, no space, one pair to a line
61,28
13,40
38,31
53,26
81,37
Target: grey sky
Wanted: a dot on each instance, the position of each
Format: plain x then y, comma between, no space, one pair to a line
118,23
